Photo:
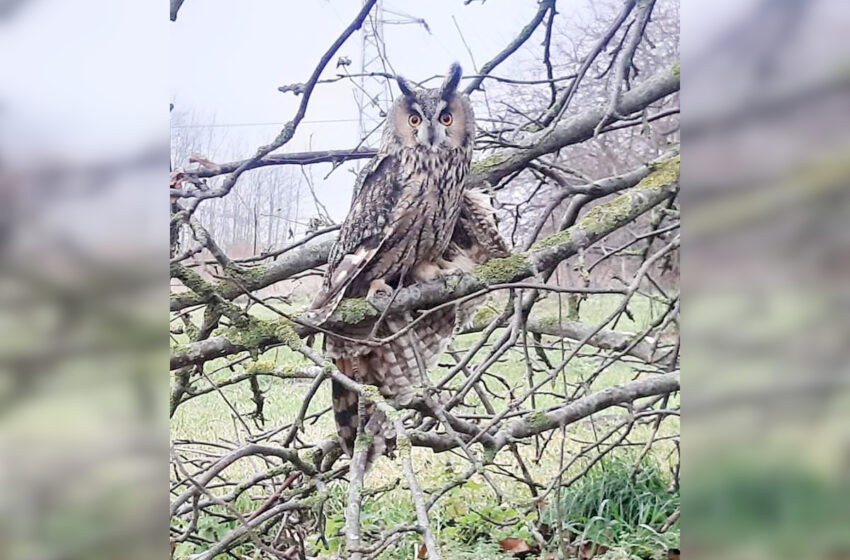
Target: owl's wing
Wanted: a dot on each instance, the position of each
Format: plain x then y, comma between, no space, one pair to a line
476,238
478,220
364,231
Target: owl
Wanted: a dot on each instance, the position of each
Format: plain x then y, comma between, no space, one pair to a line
411,220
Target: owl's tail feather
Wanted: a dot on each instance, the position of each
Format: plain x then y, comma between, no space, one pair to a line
347,417
345,408
396,368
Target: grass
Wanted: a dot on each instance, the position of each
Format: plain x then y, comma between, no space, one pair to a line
620,504
459,516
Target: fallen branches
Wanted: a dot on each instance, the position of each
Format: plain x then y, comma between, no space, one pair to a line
547,253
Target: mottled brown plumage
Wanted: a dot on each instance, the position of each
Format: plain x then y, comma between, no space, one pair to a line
410,220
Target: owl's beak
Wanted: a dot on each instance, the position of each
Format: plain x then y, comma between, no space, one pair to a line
436,135
431,135
425,135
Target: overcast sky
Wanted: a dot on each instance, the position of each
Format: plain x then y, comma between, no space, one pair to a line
230,58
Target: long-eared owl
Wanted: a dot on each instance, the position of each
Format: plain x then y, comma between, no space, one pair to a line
411,219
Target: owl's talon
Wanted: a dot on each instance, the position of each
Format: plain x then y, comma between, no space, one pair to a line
378,287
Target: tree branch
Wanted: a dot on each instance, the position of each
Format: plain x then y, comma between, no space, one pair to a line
289,128
305,257
539,422
604,339
503,162
573,130
584,407
296,158
545,6
545,254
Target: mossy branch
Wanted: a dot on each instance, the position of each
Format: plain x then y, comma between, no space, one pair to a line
309,255
601,220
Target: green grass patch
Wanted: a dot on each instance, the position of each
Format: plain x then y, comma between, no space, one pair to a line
621,507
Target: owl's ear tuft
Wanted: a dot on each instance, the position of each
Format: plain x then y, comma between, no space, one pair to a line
405,87
452,80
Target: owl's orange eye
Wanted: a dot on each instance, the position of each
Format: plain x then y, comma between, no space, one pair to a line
414,120
446,118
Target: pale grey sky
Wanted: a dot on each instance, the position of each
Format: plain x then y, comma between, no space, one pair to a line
228,59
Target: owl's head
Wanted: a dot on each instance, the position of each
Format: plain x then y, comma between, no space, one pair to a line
434,119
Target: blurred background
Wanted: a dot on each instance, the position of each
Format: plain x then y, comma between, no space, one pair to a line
83,302
766,253
84,163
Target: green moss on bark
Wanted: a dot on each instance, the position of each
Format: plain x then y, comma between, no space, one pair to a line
483,165
603,217
192,280
538,419
664,172
363,441
249,276
354,310
191,330
484,315
403,446
501,271
181,349
553,240
258,332
285,331
372,393
252,335
262,366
